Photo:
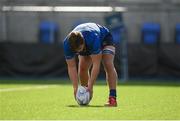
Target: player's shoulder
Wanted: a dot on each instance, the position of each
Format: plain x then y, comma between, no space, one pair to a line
66,39
66,44
88,23
86,26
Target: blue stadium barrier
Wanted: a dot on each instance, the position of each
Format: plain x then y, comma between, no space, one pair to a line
115,23
150,33
117,34
48,32
178,34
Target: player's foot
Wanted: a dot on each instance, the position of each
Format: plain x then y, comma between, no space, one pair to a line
111,102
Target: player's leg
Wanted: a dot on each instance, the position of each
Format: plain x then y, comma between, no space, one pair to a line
111,74
83,69
108,62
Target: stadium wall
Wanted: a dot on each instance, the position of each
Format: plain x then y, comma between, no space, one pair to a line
42,60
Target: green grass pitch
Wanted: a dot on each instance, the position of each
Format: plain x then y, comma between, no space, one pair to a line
53,99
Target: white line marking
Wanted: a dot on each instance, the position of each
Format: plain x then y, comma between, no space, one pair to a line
25,88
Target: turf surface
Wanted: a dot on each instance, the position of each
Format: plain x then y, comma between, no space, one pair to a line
47,99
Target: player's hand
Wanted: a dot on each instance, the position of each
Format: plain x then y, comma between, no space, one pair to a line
90,90
75,91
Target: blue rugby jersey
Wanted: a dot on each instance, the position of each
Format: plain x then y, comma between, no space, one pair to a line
93,35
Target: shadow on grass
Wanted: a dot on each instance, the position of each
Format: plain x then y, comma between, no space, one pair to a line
86,106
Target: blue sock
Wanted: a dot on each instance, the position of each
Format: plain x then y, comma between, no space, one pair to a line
112,93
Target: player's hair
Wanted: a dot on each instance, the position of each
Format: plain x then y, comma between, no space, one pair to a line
75,40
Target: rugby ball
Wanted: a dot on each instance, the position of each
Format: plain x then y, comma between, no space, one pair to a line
82,96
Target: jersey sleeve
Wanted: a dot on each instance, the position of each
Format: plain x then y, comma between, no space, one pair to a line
96,45
67,50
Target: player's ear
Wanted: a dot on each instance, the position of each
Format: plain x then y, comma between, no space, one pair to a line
80,34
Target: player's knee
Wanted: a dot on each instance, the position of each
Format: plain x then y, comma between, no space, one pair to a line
108,65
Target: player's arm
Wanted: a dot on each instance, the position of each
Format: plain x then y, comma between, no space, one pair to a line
71,64
72,71
96,60
96,57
